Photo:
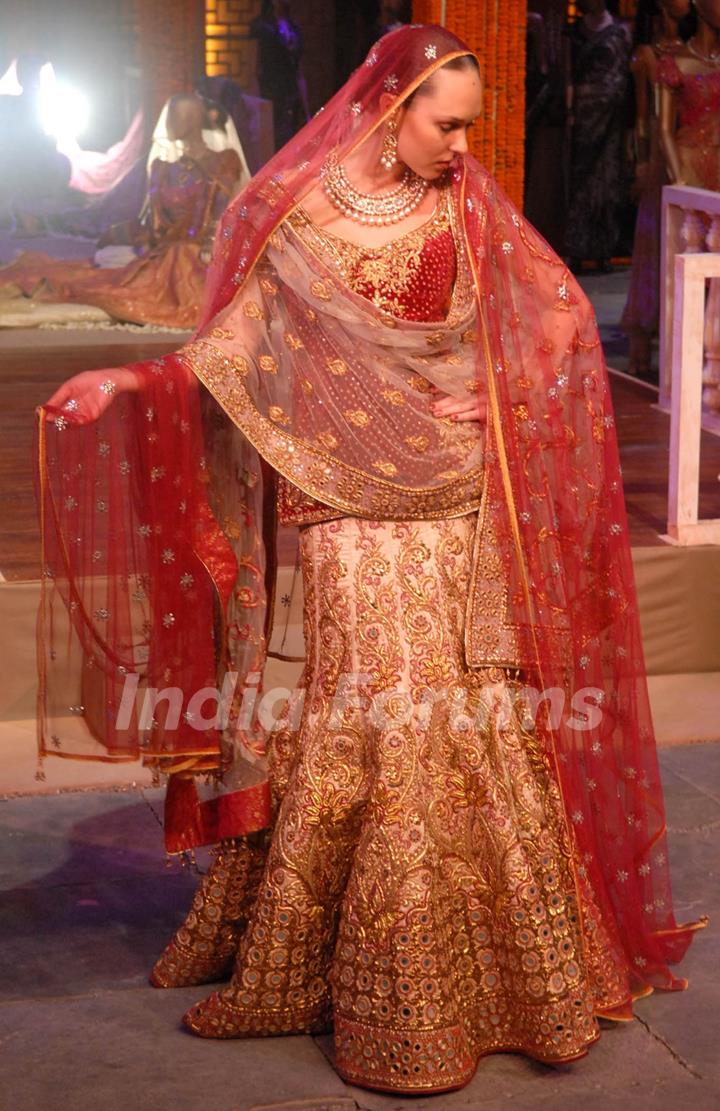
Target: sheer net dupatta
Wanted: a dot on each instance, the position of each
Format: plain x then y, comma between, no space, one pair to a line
555,499
152,616
157,534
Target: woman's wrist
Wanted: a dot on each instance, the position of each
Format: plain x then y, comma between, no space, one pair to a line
127,380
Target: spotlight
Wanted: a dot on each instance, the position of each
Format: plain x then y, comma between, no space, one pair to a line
64,111
9,84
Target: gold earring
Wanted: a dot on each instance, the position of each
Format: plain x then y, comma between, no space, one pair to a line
388,154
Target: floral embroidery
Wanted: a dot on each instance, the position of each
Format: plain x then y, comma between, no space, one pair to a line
358,417
327,440
320,290
494,922
386,468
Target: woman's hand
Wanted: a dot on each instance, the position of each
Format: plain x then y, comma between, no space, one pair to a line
472,408
87,395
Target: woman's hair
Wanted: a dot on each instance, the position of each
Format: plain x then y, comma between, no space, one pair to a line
464,62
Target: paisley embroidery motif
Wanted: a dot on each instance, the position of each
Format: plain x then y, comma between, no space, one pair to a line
418,884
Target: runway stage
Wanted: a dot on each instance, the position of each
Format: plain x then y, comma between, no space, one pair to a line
678,588
90,899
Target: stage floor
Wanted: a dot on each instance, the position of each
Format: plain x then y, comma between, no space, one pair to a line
33,363
90,901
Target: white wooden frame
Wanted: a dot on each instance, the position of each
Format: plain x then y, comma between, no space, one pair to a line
677,201
690,274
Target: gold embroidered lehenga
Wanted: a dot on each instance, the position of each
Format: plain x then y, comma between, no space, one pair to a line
418,893
425,858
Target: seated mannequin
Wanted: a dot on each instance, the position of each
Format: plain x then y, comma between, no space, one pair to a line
165,284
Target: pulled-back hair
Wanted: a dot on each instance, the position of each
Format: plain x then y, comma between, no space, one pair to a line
465,62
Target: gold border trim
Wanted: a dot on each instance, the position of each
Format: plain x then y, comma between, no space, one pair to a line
274,445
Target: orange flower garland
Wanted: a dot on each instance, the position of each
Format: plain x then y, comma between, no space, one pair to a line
495,30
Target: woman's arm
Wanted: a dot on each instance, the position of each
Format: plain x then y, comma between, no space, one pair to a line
668,117
90,393
641,78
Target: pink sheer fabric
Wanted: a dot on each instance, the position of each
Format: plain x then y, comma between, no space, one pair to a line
174,489
99,171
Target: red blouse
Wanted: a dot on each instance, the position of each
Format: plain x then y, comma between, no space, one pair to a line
412,277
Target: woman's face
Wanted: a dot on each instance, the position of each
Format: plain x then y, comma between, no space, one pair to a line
433,128
709,12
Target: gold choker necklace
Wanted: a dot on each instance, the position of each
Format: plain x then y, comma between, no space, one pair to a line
365,208
712,59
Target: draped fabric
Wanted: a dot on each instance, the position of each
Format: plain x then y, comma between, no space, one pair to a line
98,172
159,517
